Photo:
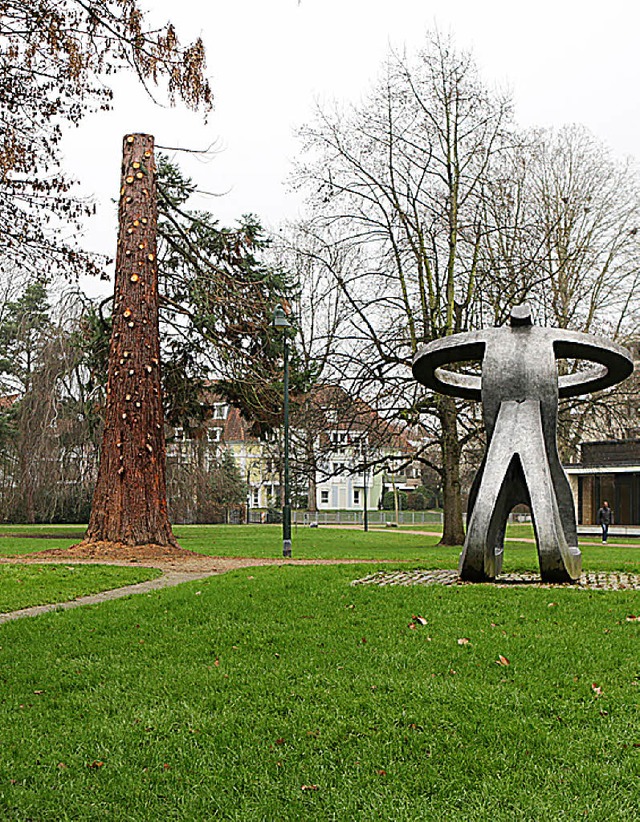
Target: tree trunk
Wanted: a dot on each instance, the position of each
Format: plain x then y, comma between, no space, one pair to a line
452,531
312,485
130,499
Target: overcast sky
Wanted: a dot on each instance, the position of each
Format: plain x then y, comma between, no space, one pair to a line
564,61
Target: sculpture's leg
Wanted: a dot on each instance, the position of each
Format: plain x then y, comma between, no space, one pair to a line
564,497
481,558
559,561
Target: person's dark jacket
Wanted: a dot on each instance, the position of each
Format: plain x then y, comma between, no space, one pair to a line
605,516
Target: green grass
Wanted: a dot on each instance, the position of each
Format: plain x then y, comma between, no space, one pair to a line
335,543
22,586
221,699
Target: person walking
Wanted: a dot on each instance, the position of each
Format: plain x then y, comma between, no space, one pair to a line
605,519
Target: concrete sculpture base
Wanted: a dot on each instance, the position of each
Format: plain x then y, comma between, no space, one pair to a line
519,389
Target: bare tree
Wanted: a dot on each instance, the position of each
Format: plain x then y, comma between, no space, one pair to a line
56,58
398,183
563,220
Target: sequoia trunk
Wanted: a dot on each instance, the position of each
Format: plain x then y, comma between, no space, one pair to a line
130,499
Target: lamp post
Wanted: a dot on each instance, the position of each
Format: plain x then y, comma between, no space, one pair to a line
364,482
280,322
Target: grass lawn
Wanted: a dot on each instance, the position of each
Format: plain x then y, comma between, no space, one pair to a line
284,693
22,586
328,543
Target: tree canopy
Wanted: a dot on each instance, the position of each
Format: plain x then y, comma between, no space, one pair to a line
56,58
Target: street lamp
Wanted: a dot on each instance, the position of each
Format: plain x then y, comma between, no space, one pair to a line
280,322
364,482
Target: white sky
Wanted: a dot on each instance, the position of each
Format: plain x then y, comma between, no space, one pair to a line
565,62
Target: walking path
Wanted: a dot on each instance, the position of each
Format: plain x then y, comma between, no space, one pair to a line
583,539
175,573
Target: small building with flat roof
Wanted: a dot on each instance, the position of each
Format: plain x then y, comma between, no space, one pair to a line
608,470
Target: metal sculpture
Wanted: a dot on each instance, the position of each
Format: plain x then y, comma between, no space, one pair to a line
519,389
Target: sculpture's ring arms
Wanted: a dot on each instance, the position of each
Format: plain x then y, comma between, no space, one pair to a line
428,365
613,363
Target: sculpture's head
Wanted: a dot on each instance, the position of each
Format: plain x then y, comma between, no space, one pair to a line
521,315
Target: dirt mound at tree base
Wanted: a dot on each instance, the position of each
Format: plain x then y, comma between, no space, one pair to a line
116,551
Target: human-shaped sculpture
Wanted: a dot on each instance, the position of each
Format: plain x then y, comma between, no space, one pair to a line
519,389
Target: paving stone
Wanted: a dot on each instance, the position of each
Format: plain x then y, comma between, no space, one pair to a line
587,582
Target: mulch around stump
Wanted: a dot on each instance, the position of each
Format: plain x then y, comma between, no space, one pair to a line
110,551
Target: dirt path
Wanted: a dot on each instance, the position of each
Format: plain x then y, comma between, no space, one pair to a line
175,572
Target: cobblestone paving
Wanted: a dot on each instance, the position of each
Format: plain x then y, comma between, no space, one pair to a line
588,582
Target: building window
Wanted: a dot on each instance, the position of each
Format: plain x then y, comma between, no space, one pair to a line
214,434
338,441
256,497
178,435
356,497
324,497
220,411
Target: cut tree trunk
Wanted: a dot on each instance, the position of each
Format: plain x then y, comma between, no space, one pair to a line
452,528
130,499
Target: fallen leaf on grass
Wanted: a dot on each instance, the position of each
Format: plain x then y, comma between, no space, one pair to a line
280,740
502,660
95,764
597,690
38,692
632,618
381,772
552,605
309,788
419,619
61,765
463,641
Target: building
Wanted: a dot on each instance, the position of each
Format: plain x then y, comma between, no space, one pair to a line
342,454
608,470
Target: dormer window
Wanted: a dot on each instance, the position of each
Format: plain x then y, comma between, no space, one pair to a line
220,411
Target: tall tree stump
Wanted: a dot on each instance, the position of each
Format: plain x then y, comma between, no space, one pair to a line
130,499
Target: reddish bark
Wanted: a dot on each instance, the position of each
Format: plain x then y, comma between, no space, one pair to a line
130,499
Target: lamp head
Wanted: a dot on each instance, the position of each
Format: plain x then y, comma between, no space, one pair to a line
280,318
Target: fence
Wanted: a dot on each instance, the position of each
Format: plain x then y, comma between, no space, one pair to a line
374,517
380,518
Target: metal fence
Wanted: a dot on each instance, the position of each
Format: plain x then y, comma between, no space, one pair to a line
374,517
379,518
